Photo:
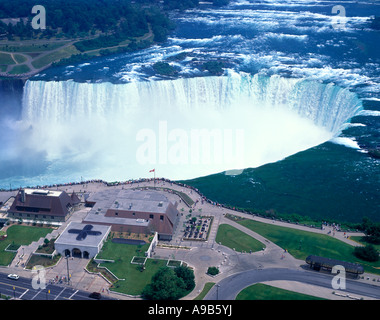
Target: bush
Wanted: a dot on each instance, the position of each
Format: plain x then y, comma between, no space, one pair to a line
367,253
371,230
213,271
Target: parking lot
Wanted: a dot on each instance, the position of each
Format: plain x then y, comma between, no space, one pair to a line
197,228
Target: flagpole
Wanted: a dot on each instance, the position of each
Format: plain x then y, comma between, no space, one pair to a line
154,177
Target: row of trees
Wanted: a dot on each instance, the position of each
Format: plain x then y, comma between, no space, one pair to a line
76,18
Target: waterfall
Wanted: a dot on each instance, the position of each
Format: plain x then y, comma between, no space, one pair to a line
326,105
185,128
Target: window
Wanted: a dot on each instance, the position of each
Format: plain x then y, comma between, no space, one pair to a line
134,213
116,213
151,216
162,218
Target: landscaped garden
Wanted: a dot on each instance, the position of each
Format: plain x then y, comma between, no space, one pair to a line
41,260
300,243
18,235
135,278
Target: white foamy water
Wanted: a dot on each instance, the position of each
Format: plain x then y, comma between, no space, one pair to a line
184,128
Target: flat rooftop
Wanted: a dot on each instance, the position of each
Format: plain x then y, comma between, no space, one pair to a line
129,200
94,236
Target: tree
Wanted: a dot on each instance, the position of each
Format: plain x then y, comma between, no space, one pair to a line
165,285
367,253
187,275
371,230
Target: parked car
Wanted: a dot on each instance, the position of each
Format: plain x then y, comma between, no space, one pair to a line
13,276
95,295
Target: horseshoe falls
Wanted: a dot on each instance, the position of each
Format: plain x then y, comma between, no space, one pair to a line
184,128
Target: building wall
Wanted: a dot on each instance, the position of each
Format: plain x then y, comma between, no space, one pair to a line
61,249
159,221
126,228
39,217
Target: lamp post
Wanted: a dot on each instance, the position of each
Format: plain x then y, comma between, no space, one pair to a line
217,291
68,272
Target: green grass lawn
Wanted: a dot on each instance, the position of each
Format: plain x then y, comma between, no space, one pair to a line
19,69
6,58
360,240
135,280
235,239
54,56
301,243
261,291
31,46
21,235
19,58
205,290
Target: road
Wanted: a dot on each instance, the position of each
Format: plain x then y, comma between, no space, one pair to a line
23,289
229,287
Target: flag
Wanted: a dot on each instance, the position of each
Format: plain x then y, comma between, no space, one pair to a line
152,170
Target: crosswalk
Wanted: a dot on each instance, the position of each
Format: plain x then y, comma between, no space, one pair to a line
21,291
